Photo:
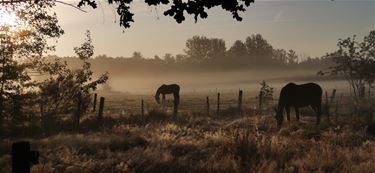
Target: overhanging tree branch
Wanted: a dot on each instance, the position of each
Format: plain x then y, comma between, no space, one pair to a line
178,8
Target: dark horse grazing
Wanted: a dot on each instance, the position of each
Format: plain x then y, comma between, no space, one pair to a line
293,95
169,89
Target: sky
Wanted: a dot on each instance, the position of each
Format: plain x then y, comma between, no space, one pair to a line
310,27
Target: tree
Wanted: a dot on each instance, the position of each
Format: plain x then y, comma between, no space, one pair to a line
201,49
137,55
265,94
355,61
177,8
169,59
368,51
22,47
238,50
281,56
259,49
292,57
68,90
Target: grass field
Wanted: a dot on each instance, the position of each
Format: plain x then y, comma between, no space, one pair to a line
195,142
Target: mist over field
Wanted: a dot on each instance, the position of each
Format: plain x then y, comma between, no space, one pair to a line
144,79
219,81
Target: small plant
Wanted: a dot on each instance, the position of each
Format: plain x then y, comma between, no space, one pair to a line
265,95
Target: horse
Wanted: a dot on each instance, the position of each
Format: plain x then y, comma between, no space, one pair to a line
293,95
169,89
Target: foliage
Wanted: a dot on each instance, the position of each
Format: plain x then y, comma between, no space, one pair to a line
68,90
238,50
292,57
22,47
177,8
259,48
265,93
201,49
355,61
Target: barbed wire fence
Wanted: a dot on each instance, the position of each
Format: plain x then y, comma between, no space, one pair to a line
213,104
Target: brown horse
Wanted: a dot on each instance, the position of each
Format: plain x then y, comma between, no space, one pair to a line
293,95
169,89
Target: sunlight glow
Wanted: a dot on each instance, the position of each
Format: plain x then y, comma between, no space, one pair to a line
8,18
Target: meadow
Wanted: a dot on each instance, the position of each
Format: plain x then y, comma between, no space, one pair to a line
196,142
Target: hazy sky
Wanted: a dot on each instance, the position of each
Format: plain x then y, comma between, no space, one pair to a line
312,28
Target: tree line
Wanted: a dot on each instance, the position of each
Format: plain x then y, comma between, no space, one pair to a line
203,53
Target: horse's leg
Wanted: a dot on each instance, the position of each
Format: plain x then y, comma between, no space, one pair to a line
314,108
297,112
287,108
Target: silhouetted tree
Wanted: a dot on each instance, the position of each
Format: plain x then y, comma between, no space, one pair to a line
238,50
137,55
169,59
354,61
281,56
292,57
177,8
21,48
368,49
201,49
180,58
259,49
265,95
68,90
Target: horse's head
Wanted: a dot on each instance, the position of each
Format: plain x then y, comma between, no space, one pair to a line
279,117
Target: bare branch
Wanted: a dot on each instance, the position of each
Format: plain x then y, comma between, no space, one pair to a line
61,2
13,2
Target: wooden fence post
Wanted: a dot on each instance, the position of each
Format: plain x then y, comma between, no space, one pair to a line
142,108
94,106
327,104
23,158
260,101
208,106
333,95
369,90
240,102
101,110
218,104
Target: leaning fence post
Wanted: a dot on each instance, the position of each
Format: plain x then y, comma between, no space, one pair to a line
101,110
218,104
94,106
142,108
240,102
208,106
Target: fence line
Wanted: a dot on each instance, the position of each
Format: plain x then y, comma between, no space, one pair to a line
201,103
